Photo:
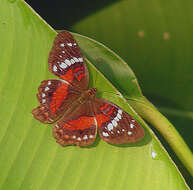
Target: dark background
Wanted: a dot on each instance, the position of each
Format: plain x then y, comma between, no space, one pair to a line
62,14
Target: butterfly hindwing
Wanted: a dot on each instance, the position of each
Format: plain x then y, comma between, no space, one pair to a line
115,125
66,61
54,96
76,127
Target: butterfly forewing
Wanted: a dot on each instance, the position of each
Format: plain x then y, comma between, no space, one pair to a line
66,61
76,127
115,125
54,96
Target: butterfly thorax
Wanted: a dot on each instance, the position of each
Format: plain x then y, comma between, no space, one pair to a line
90,93
86,95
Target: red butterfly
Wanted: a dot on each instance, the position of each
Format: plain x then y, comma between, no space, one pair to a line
80,111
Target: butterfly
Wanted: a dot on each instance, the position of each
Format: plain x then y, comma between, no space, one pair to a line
75,109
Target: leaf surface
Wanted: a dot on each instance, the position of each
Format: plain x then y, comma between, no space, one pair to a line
30,158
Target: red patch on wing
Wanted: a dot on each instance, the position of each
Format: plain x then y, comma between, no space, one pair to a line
81,123
68,76
85,122
104,107
110,111
101,118
81,76
58,97
78,69
107,109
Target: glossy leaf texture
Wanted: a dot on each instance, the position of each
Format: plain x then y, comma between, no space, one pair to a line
30,158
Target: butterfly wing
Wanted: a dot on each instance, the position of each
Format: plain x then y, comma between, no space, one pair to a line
55,96
76,127
66,61
115,125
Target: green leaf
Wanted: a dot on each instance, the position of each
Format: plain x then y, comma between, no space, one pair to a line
30,158
117,71
154,38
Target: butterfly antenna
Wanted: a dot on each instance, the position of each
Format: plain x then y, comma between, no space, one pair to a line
112,94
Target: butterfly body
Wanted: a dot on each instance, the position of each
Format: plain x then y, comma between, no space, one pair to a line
87,95
75,109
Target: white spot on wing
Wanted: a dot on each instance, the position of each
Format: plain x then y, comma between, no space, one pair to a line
63,51
63,65
85,137
72,61
55,69
43,101
69,44
73,136
43,95
105,134
129,132
75,59
46,89
80,59
120,111
67,62
110,127
114,123
116,119
91,136
49,82
131,125
62,45
119,115
79,139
